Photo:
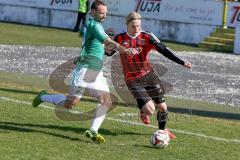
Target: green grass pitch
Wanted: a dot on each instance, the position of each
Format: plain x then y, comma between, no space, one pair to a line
39,134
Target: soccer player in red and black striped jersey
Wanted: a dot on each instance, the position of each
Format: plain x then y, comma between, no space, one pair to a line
140,77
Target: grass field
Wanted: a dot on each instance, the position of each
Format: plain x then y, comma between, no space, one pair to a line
15,34
38,133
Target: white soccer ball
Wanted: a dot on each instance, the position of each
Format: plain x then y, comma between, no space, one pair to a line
160,139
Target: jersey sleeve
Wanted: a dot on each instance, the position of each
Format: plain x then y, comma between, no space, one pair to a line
156,43
164,50
99,32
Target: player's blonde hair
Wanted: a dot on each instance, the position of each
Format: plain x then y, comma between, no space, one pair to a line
132,16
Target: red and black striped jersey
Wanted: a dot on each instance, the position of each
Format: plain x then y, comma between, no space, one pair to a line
138,65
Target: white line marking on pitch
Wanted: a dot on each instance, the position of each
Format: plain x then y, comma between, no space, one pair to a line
133,123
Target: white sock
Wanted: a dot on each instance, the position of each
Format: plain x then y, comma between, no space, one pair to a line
99,117
57,99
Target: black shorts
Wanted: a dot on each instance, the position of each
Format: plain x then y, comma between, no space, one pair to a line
146,88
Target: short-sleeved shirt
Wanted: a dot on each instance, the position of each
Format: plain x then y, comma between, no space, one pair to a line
92,53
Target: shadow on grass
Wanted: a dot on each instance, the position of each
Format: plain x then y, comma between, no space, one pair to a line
17,127
39,128
181,46
198,112
189,111
148,146
213,114
18,91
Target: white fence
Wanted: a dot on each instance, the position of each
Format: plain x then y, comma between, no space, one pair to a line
237,37
67,5
177,20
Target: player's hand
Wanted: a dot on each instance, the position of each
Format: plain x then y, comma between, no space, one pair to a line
188,65
108,49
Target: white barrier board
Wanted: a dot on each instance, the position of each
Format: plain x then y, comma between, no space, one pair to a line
52,4
237,37
201,11
233,13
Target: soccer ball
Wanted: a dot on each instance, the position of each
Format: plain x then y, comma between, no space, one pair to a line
160,139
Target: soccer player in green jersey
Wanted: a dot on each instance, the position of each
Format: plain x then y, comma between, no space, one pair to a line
88,72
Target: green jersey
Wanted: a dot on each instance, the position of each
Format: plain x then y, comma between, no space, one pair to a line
92,53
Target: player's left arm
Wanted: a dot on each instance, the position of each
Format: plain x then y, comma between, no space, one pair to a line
167,52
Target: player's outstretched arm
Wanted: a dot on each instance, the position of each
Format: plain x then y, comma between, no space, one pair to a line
170,54
167,52
111,46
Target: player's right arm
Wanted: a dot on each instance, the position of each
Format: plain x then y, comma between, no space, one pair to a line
109,44
111,47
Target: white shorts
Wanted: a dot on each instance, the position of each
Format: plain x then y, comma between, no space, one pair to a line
85,78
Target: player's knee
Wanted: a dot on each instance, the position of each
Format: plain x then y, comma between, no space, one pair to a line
71,101
149,108
75,101
162,107
152,110
106,102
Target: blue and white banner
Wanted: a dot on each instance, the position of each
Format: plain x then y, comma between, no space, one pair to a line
233,13
51,4
200,12
237,36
